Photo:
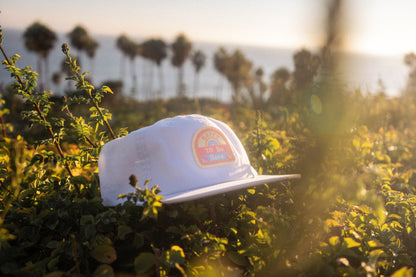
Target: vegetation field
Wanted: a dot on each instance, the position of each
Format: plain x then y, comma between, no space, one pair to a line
351,214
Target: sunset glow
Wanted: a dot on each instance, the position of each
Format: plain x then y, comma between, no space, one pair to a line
378,27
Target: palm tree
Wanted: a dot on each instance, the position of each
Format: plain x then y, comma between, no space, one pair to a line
306,68
121,43
198,59
79,38
221,63
82,41
131,50
156,51
238,73
40,39
258,89
181,49
147,70
90,48
279,91
410,61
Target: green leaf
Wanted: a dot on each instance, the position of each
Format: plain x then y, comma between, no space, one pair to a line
52,263
52,244
144,262
104,253
374,243
251,191
356,143
237,258
395,225
371,265
103,270
403,272
86,219
105,89
367,144
123,230
233,230
90,231
175,255
381,214
173,213
261,237
334,240
350,243
138,240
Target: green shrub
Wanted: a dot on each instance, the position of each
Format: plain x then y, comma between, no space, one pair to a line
352,213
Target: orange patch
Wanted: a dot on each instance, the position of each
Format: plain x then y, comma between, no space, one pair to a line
211,148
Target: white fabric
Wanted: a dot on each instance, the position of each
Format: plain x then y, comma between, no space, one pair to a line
164,153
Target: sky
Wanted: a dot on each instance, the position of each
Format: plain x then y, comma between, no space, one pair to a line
370,26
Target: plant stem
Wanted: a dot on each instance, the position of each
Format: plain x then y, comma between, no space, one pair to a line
87,138
80,79
49,128
8,62
3,128
105,121
75,254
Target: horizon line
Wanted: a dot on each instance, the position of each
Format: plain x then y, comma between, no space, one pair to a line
235,45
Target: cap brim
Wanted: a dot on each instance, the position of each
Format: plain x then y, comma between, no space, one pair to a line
225,187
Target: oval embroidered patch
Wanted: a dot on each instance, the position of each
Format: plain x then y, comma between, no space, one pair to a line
211,148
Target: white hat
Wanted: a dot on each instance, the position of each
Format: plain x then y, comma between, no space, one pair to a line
188,157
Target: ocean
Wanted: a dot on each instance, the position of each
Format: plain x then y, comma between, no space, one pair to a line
369,73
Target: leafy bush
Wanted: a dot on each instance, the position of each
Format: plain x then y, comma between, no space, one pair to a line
352,213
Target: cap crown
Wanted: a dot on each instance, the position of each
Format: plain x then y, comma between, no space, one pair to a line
179,154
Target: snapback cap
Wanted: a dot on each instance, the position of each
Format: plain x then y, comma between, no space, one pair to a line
188,157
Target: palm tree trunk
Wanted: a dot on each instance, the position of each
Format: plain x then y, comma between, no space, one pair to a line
134,77
47,84
143,75
181,86
220,88
41,75
92,67
196,84
151,79
161,82
147,78
122,67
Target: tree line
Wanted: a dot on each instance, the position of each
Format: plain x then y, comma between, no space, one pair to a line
246,81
